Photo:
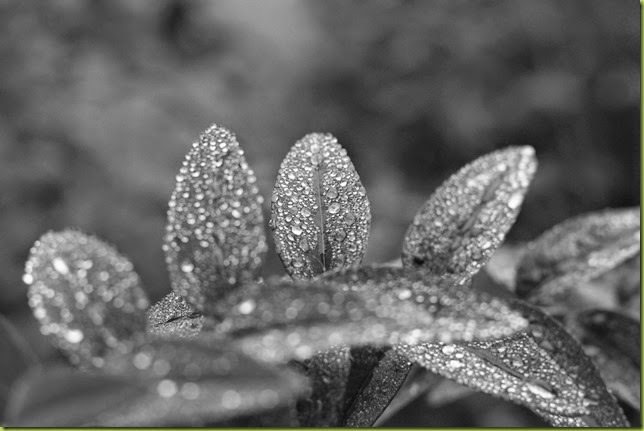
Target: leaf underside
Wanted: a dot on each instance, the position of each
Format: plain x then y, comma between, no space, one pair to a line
466,218
215,237
85,295
542,368
320,213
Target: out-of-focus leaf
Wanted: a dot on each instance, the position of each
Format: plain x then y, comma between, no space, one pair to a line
64,397
503,264
446,391
319,212
379,388
466,219
86,296
543,368
215,236
16,358
161,383
172,316
359,306
575,251
328,372
613,342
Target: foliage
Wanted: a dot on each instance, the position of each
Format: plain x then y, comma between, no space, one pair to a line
335,342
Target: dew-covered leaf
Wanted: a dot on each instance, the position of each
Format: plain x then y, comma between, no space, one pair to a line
543,368
215,237
575,251
327,372
86,296
16,358
613,342
379,386
172,316
319,211
358,306
466,218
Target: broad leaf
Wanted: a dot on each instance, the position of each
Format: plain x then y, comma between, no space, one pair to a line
16,358
319,212
543,368
575,251
613,342
86,296
162,383
359,306
379,386
172,316
215,236
328,372
466,219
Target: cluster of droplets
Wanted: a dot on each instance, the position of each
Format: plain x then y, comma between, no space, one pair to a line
467,217
85,295
320,211
215,234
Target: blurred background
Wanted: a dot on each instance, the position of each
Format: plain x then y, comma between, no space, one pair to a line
100,100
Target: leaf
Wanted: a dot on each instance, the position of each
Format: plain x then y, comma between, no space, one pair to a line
359,306
466,219
613,342
162,383
172,316
215,236
575,251
319,211
86,296
328,372
17,357
378,389
542,368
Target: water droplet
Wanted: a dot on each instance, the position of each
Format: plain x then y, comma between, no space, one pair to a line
27,278
305,212
167,388
334,208
332,193
448,349
74,336
297,230
515,200
304,244
231,400
540,391
298,263
60,266
404,294
349,219
340,235
517,362
187,266
455,364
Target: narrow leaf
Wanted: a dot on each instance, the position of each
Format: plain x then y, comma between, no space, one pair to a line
359,306
172,316
543,368
613,342
466,219
86,296
319,212
575,251
215,236
17,357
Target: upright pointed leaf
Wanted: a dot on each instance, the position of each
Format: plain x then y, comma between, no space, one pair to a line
466,219
543,368
172,316
319,212
86,296
215,236
575,251
360,306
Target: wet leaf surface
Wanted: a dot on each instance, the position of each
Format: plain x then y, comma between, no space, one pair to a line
215,235
466,218
359,306
172,316
543,368
319,211
576,251
86,296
